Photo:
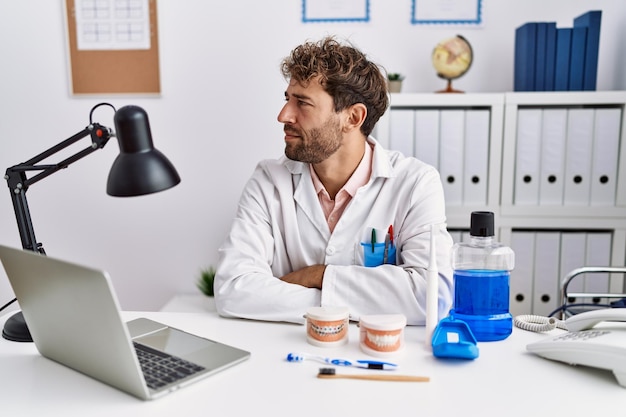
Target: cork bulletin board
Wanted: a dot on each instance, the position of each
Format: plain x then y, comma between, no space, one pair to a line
113,70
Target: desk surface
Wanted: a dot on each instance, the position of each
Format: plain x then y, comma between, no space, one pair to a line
503,380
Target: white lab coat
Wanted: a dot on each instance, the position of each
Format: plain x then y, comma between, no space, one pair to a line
279,227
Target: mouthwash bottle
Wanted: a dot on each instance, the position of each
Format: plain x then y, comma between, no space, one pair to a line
481,281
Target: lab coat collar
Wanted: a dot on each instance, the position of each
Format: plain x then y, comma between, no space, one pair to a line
381,164
304,192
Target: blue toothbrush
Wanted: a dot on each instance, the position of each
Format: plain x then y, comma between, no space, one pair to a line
368,364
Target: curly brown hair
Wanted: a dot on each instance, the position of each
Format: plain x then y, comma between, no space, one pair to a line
345,73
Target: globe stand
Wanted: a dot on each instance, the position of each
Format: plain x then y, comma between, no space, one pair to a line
449,89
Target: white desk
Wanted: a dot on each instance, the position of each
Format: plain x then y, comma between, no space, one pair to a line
504,381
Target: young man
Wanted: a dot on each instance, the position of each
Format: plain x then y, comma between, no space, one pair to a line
309,223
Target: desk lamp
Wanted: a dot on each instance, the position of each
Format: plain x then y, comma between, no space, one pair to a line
139,169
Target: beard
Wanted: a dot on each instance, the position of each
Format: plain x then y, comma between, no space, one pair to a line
317,144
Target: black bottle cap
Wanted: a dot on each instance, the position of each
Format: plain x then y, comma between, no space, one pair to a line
481,224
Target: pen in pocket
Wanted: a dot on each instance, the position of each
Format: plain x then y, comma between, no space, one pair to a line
386,252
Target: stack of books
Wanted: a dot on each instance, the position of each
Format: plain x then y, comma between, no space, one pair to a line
548,58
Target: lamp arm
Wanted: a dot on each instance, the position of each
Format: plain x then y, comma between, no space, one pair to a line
19,183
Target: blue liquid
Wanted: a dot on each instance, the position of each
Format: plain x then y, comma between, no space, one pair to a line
481,299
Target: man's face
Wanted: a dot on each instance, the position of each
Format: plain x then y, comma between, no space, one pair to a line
313,130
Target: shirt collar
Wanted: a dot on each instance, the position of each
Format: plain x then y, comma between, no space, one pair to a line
359,177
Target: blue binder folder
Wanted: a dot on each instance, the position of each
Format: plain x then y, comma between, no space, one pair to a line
524,68
540,56
561,69
577,58
550,56
592,21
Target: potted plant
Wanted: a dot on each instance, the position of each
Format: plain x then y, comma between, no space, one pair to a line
394,80
205,281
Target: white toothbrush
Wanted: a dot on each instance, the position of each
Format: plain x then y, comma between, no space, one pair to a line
300,357
432,290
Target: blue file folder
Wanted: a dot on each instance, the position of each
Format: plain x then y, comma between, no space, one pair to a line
592,21
525,51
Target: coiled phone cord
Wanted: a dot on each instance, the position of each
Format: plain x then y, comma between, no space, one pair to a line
536,323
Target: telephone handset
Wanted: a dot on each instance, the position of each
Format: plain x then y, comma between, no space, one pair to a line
589,319
584,344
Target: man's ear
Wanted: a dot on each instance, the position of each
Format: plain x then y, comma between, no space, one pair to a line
355,116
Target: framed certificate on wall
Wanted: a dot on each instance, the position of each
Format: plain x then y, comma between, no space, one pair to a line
447,12
335,11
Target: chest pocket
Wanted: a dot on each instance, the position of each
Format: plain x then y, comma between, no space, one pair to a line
377,254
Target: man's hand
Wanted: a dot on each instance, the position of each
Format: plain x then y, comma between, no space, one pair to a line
310,276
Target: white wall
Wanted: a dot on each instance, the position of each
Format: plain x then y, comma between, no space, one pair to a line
216,116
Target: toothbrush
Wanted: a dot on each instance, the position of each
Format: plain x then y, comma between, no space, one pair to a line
368,364
432,291
331,373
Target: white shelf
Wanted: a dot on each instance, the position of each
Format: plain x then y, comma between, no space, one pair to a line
501,159
565,98
446,100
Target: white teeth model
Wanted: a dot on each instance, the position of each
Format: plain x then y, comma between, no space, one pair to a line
324,330
383,340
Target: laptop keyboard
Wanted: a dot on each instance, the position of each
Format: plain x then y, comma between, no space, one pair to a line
160,369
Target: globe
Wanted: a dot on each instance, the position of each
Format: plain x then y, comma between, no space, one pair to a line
452,58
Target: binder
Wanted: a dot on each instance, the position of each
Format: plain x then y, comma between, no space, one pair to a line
592,20
561,65
526,191
550,56
427,136
521,280
573,256
598,254
540,56
476,157
605,157
577,58
546,273
451,128
524,56
553,135
401,135
577,190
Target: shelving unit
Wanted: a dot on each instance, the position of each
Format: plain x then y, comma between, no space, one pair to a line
458,215
604,223
561,216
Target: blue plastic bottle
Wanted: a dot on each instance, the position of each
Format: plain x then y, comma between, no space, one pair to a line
481,281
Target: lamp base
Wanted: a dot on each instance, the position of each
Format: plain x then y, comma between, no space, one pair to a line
16,330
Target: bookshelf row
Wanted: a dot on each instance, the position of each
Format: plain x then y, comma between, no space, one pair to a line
481,167
548,58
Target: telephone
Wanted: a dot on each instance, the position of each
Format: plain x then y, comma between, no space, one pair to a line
584,344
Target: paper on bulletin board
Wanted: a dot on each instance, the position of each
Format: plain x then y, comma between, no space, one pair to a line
112,24
447,12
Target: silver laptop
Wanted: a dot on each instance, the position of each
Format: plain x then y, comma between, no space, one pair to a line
74,318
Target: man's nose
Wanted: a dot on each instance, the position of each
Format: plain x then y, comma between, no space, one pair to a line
286,115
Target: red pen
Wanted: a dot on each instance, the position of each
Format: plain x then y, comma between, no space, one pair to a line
390,232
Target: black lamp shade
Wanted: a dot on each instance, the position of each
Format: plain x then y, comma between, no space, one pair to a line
139,168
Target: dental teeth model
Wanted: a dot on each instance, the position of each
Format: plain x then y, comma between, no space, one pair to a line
327,326
383,334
